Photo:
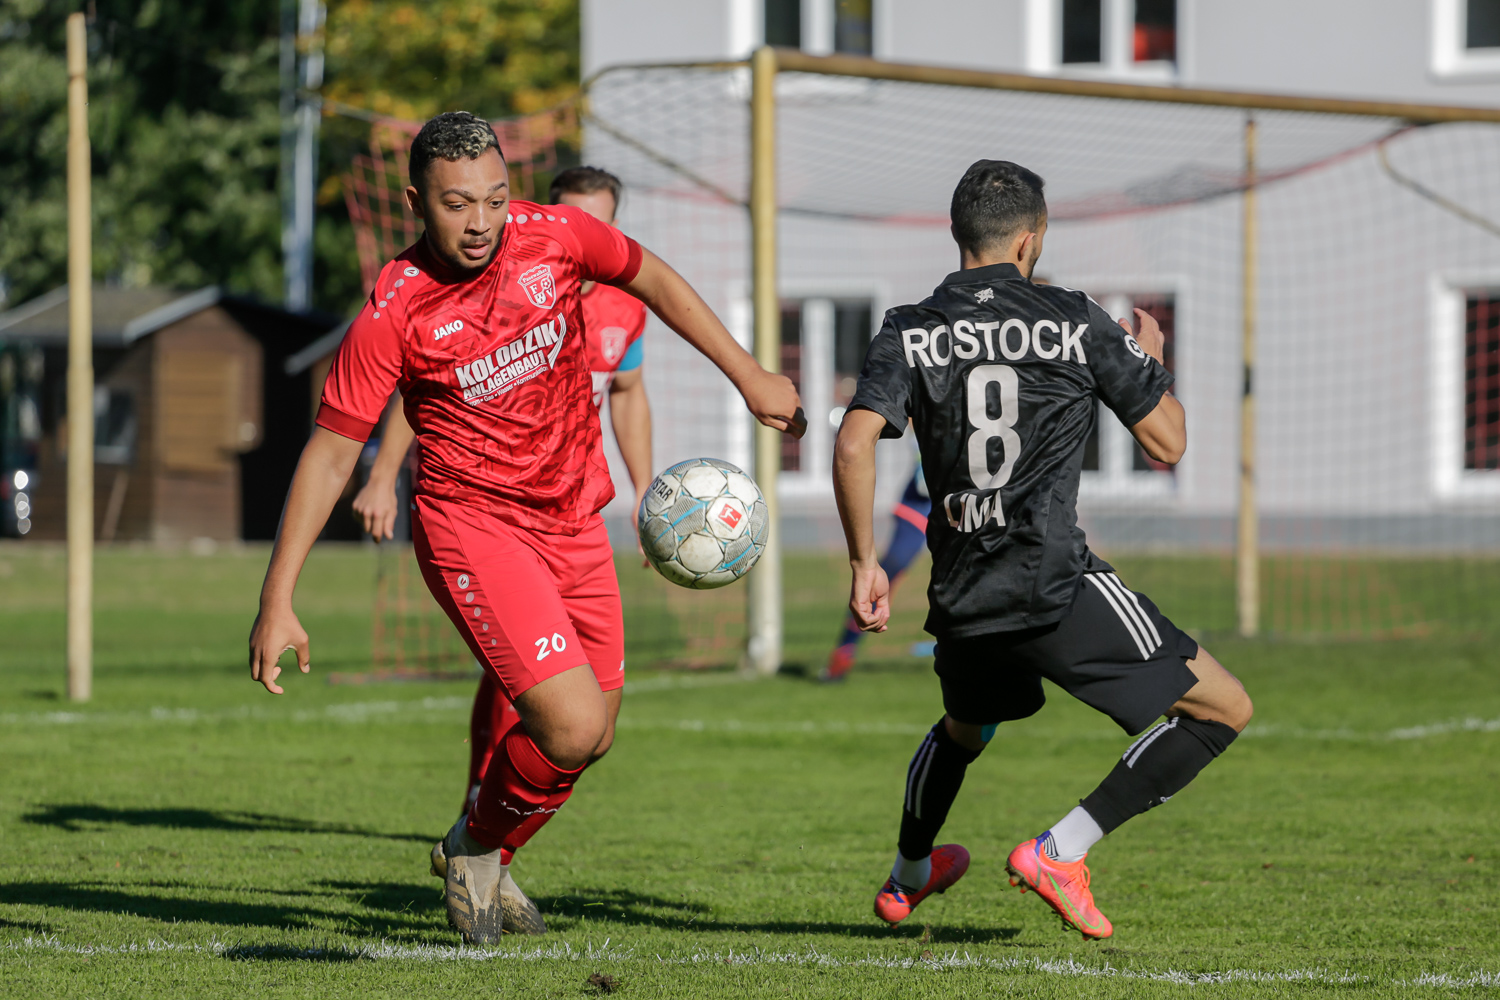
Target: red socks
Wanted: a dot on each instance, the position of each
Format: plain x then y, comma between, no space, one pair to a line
492,716
521,791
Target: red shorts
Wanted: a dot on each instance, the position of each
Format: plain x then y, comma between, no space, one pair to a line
530,605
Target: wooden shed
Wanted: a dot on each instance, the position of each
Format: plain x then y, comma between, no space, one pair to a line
180,405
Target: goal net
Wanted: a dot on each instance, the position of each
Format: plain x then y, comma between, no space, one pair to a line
1375,320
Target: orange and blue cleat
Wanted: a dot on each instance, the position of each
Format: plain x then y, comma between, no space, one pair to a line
1064,885
894,903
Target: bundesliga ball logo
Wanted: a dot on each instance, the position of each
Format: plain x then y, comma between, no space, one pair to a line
703,523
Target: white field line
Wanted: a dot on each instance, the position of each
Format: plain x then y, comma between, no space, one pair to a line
458,706
811,958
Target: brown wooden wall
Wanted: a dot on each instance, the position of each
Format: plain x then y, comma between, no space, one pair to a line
197,391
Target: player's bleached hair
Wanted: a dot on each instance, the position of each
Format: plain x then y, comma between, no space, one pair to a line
450,136
994,203
585,180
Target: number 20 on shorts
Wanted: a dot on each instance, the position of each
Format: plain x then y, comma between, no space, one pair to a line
546,647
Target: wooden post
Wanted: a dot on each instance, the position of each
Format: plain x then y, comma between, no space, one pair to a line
763,647
1247,549
80,374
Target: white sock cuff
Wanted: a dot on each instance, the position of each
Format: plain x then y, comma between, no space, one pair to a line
1074,834
911,874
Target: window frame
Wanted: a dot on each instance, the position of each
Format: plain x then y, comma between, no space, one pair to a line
1117,479
815,478
1451,59
1044,36
1447,303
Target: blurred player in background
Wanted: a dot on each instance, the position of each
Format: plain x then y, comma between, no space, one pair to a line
479,325
613,325
1001,379
906,544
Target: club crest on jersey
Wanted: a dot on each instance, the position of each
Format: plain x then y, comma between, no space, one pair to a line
539,287
612,343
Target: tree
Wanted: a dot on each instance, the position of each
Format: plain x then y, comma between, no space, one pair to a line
184,122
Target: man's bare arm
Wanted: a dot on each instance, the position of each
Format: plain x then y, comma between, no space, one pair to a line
1163,432
376,501
772,398
325,466
854,489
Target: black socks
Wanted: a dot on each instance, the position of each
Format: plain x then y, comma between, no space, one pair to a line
932,783
1156,767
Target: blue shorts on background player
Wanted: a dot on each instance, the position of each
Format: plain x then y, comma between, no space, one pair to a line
907,541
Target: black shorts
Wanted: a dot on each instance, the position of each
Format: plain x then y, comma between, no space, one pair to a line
1115,651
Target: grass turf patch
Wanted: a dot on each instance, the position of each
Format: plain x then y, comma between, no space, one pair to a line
186,834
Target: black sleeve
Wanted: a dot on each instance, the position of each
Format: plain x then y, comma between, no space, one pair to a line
885,382
1129,381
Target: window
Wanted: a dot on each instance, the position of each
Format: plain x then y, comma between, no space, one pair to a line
1122,37
854,27
791,367
1120,466
1082,31
1155,35
823,344
783,23
1465,37
1482,24
1482,381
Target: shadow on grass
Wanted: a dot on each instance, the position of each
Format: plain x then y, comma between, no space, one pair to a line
288,953
414,919
622,906
77,817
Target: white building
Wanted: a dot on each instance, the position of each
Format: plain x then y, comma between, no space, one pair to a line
1378,378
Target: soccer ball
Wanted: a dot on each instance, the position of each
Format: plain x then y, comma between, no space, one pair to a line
703,523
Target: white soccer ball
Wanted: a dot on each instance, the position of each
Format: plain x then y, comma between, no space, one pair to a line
703,523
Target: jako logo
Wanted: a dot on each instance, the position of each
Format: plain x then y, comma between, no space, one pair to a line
443,331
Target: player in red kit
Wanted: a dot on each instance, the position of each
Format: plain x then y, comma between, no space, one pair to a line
613,323
478,325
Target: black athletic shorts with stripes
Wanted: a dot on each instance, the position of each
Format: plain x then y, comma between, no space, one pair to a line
1115,651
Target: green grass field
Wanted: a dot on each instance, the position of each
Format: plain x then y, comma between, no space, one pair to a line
186,834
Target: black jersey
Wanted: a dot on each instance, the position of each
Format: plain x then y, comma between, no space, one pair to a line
998,377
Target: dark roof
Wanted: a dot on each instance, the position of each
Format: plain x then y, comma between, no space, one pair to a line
121,315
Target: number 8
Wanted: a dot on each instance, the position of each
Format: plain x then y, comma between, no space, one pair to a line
988,428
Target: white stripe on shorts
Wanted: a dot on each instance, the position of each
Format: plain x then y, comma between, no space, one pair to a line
1124,615
1135,602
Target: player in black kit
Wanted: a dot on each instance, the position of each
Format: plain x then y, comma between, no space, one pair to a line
999,377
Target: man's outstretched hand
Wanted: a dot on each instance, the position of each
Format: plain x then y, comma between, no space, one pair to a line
774,401
273,633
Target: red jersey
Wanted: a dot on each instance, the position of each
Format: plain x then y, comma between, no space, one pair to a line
612,322
493,368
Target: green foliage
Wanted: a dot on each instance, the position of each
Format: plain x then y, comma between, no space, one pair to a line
412,59
184,119
185,140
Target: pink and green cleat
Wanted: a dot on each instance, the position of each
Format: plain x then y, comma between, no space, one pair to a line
1063,885
894,903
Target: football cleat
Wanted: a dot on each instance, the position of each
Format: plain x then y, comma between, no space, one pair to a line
1063,885
894,903
840,662
482,900
440,859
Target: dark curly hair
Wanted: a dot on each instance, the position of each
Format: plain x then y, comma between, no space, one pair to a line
994,203
450,136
